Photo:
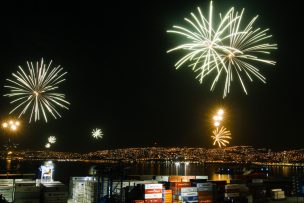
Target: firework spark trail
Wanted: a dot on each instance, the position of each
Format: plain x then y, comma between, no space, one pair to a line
36,90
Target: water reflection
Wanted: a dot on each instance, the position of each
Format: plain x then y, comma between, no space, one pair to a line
286,171
64,170
226,177
8,164
177,168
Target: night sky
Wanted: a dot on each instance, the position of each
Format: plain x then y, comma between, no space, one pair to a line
121,79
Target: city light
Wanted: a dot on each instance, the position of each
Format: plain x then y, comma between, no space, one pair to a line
11,125
10,128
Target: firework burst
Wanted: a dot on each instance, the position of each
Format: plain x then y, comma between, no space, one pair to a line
221,136
97,133
52,139
204,45
47,145
223,48
36,90
247,47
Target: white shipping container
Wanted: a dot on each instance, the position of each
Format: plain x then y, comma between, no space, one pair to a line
9,199
188,189
201,177
153,186
153,196
135,183
7,192
187,194
162,178
6,181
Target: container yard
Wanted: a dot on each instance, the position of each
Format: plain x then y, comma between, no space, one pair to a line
144,189
177,189
32,191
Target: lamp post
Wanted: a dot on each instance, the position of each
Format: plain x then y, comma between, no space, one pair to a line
10,127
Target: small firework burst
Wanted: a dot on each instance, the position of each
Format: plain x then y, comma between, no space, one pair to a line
52,139
221,136
97,133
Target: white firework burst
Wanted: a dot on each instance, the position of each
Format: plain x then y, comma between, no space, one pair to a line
247,48
97,133
227,48
52,139
220,136
35,90
47,145
204,45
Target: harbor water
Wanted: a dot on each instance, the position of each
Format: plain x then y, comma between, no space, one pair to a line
63,170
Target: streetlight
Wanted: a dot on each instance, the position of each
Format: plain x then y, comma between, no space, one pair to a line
10,126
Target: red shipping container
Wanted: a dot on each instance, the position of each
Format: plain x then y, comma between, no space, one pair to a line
181,184
153,191
153,200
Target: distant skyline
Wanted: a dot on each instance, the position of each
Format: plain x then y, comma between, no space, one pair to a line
120,78
236,154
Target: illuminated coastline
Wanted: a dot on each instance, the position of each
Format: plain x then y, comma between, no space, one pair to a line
235,154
